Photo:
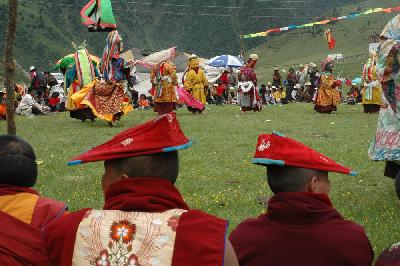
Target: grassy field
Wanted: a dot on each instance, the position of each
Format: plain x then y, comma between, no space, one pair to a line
216,174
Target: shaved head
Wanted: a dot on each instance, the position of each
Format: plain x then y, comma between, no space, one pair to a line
294,179
162,165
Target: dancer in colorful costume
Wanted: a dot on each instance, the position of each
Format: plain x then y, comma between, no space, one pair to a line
328,95
386,146
372,91
79,80
249,98
107,99
196,83
164,82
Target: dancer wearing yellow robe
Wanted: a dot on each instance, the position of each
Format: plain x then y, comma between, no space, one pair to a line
196,83
372,91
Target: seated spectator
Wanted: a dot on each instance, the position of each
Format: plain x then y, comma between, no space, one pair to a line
23,212
262,92
300,227
144,103
141,201
356,92
280,96
351,97
211,94
54,102
308,92
269,97
295,92
29,107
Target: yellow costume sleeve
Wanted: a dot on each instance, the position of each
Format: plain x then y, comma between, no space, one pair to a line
189,80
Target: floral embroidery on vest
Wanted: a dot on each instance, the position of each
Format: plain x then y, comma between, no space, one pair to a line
108,238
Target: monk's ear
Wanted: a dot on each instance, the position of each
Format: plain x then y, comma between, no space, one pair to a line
312,185
124,176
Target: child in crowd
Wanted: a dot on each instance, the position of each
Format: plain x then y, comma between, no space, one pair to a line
296,93
263,93
280,96
269,97
144,103
350,98
54,102
220,93
211,94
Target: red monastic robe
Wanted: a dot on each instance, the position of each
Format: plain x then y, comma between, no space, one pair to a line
200,238
23,215
26,205
301,229
20,243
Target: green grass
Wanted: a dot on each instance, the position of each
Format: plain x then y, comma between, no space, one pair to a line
216,174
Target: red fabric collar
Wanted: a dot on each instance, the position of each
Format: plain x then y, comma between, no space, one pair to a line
12,190
144,194
301,208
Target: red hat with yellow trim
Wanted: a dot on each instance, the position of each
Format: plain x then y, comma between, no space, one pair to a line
162,134
276,149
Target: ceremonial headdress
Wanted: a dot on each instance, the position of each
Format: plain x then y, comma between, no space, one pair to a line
112,50
162,134
276,149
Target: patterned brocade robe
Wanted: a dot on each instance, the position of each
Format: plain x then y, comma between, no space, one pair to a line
164,81
144,222
328,95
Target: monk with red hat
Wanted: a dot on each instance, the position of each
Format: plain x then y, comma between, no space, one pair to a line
144,221
301,227
23,212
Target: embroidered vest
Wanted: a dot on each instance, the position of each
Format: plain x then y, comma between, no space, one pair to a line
109,237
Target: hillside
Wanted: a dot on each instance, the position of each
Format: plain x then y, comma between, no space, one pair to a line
210,27
308,45
20,75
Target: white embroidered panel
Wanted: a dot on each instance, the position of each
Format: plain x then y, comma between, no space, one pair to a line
116,238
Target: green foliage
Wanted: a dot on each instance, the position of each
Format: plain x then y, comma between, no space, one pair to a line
216,174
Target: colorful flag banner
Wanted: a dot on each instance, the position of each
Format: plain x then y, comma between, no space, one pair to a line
323,22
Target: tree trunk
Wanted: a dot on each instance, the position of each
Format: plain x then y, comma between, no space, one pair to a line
9,66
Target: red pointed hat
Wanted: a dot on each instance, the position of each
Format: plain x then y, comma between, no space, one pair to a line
162,134
276,149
